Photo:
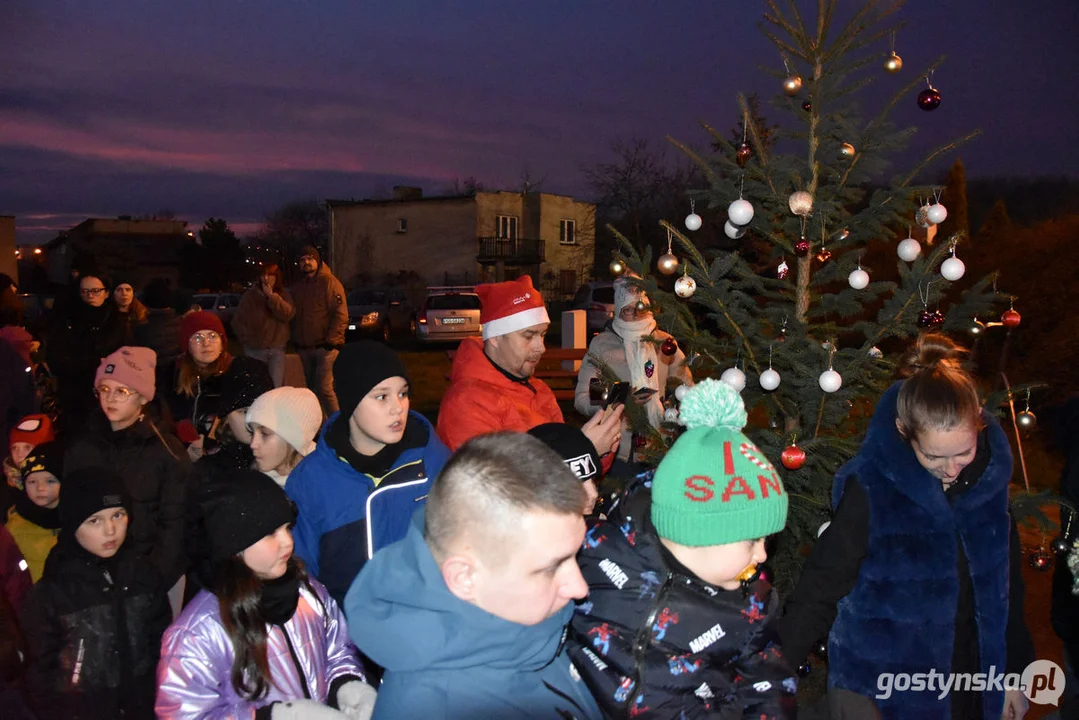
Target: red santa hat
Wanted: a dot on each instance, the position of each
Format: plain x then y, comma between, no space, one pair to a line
510,306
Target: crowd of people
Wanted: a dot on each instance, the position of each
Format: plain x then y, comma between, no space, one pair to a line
187,537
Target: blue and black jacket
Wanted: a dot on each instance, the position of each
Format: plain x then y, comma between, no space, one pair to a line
346,515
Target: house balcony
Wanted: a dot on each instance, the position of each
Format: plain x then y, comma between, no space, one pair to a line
521,251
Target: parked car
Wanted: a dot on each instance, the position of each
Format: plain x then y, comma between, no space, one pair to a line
221,304
597,300
379,313
449,313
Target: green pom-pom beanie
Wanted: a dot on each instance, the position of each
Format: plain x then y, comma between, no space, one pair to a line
715,486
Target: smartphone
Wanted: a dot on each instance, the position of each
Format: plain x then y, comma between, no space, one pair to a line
617,394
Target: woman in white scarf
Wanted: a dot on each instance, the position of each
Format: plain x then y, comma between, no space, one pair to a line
622,347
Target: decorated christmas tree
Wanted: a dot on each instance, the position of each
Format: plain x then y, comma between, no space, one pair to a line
809,330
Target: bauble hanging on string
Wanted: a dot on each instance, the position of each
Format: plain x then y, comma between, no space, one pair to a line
740,212
1011,318
801,248
925,319
824,255
733,231
953,268
1059,545
893,63
745,152
858,279
801,203
830,381
669,347
807,106
929,99
617,267
693,221
792,85
769,379
937,213
782,271
847,150
667,264
793,457
909,250
670,415
685,286
1040,560
735,378
922,217
1026,419
936,319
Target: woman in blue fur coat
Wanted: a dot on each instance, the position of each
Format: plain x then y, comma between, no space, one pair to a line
919,570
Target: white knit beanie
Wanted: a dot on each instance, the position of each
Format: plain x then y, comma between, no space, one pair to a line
293,413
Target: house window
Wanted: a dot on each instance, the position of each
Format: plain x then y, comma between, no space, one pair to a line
402,225
567,232
506,227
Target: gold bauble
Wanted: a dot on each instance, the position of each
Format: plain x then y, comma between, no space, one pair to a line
668,264
846,150
801,203
617,267
792,85
893,63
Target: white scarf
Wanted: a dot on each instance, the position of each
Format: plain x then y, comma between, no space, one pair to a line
638,354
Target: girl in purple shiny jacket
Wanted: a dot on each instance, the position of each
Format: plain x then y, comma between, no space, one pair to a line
264,640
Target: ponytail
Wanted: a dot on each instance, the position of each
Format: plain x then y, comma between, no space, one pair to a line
938,394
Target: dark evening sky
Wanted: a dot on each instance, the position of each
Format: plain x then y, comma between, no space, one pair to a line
232,107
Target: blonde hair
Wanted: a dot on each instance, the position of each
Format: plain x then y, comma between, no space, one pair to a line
937,393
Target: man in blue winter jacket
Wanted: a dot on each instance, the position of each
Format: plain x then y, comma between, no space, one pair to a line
468,613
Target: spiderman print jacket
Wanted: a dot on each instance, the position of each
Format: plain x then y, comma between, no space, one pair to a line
652,640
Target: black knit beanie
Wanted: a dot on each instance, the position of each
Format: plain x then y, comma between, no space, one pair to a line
87,491
243,508
577,451
46,457
361,366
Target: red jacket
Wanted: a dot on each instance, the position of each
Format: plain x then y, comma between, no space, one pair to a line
481,399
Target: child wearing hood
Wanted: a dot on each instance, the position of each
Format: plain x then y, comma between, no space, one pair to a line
371,469
263,640
94,621
34,520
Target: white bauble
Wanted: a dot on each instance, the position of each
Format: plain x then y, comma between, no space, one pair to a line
735,378
823,527
952,268
830,381
936,213
909,250
693,221
769,379
680,392
858,279
670,415
685,286
740,212
733,231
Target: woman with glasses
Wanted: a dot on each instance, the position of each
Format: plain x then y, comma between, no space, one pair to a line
151,461
79,340
201,376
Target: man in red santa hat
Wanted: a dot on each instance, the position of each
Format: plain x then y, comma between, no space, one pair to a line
491,384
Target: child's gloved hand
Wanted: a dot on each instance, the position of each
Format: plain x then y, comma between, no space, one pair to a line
305,710
357,700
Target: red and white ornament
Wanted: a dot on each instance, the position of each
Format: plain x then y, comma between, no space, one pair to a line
782,271
685,286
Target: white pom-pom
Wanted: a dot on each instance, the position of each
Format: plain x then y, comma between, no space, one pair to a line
680,392
693,221
909,250
733,231
735,378
769,379
830,381
740,212
936,213
711,403
952,268
858,279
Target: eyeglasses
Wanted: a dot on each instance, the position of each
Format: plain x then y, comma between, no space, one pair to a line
91,292
122,394
206,338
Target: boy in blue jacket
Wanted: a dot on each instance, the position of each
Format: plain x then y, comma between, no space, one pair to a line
370,471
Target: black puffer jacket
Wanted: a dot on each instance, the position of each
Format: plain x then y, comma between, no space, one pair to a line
653,640
94,630
157,472
205,406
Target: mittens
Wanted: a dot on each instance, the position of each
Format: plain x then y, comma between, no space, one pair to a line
357,700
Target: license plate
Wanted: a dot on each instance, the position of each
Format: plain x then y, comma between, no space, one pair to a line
453,321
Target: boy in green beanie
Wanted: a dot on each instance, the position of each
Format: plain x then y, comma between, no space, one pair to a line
677,619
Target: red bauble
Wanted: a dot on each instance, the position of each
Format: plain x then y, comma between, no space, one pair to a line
807,106
793,457
925,319
745,152
1011,318
929,99
669,347
801,248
